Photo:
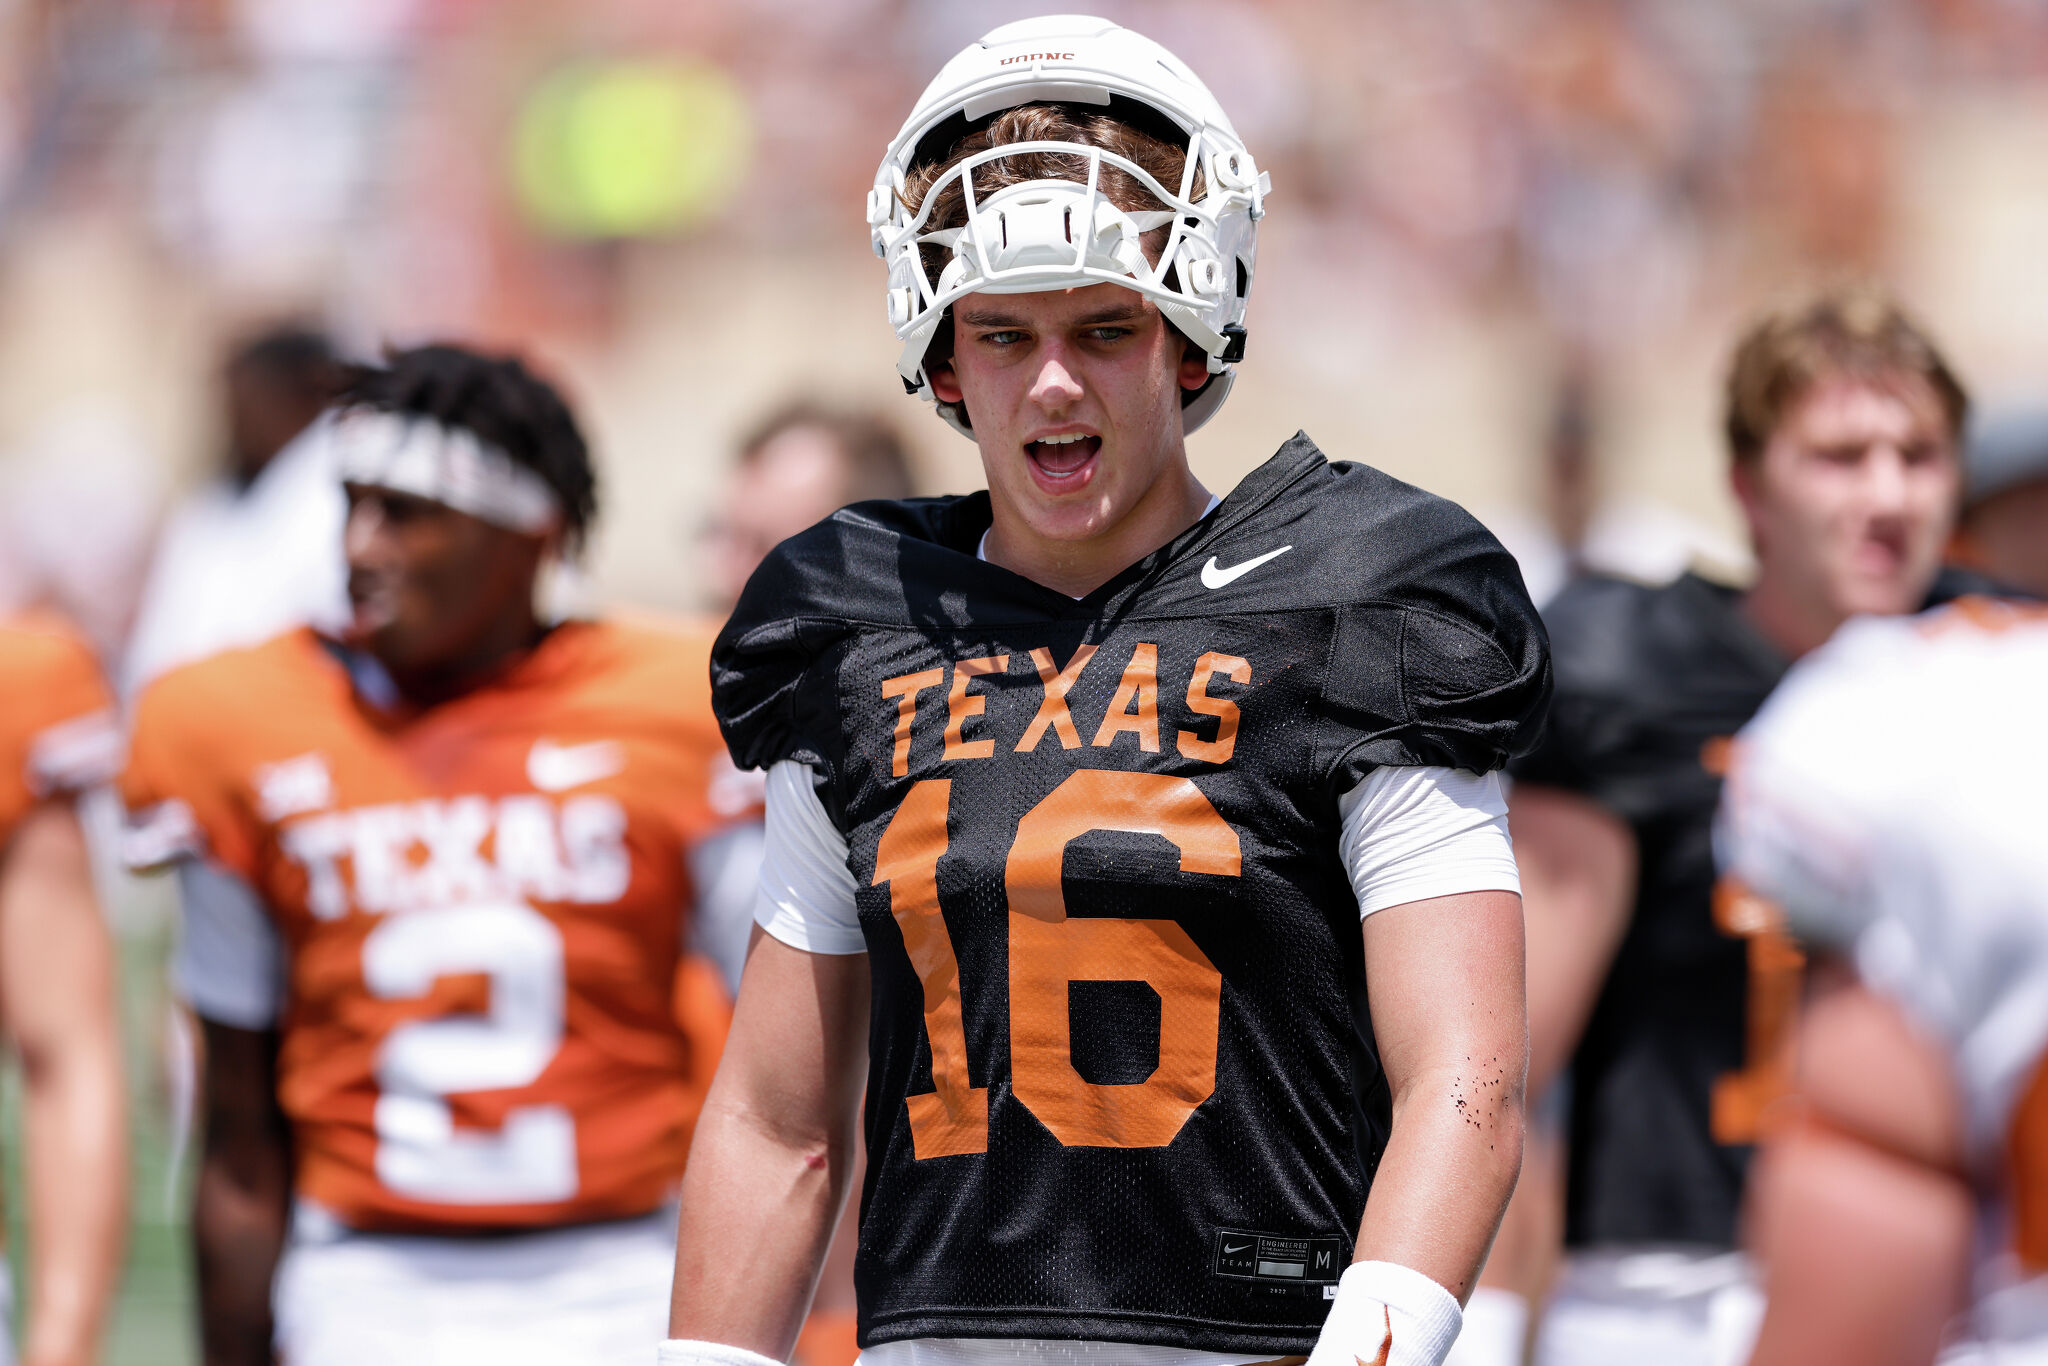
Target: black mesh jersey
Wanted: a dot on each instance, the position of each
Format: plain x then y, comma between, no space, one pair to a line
1122,1085
1651,681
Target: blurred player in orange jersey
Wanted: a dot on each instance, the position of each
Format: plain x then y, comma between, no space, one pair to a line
1889,798
57,737
798,465
437,886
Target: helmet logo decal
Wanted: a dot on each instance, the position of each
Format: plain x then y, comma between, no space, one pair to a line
1037,57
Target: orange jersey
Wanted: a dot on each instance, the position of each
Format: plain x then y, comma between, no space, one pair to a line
57,730
481,908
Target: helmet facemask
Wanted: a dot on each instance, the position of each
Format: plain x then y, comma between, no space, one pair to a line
1086,217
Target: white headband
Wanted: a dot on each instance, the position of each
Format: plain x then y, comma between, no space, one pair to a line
410,453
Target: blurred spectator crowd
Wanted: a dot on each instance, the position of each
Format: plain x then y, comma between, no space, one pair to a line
1493,219
1509,243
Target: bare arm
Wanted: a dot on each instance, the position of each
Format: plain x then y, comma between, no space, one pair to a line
57,998
1445,978
1578,863
771,1162
242,1198
1861,1220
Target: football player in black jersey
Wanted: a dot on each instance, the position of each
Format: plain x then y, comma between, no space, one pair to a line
1663,993
1078,791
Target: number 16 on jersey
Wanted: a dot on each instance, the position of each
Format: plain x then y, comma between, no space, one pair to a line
1047,950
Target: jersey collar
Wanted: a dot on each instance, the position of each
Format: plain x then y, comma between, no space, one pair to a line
964,524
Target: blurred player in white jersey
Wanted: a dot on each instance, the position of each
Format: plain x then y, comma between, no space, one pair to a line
1889,797
256,549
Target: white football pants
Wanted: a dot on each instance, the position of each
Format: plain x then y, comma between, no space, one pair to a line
591,1295
1674,1307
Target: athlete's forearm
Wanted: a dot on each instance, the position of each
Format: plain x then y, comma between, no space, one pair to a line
78,1185
1445,1178
238,1237
57,1003
1449,1015
241,1210
773,1153
758,1212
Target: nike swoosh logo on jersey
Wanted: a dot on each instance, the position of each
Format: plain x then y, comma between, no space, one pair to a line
1214,577
557,768
1228,1249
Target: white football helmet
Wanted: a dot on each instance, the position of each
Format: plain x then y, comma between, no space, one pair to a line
1062,234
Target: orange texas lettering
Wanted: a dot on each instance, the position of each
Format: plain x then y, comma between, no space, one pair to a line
1213,691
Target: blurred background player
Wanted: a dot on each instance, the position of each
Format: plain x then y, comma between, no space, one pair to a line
57,738
796,466
2004,527
255,550
1664,1001
1888,798
436,901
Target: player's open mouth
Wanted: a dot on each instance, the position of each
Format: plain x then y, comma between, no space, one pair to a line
1064,462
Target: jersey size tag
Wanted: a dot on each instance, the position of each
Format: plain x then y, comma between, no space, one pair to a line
1277,1259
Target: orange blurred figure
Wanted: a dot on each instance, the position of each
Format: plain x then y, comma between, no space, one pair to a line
438,880
57,738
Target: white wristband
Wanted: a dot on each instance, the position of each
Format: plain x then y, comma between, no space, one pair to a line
683,1352
1384,1306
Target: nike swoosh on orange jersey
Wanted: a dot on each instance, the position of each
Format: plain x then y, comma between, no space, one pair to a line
557,768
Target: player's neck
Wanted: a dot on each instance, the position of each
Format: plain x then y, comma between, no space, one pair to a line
505,642
1078,568
1789,620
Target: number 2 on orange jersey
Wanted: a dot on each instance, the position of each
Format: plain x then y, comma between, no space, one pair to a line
420,1151
1048,950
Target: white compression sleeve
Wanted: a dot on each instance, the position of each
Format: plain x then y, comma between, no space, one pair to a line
1384,1307
725,870
807,891
1414,833
229,965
